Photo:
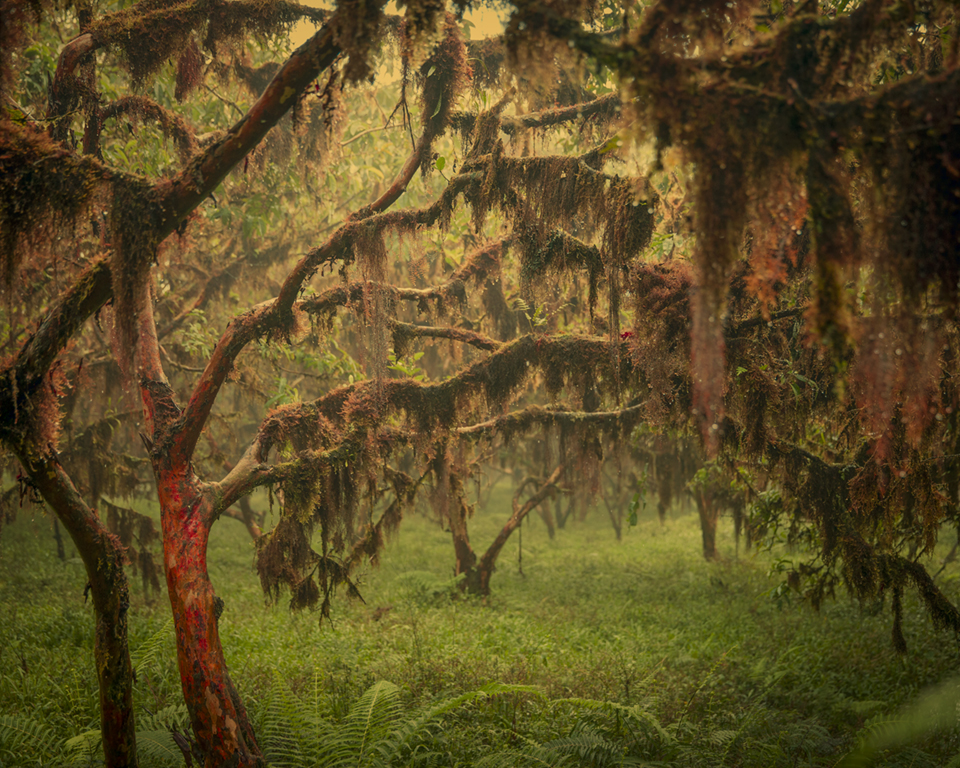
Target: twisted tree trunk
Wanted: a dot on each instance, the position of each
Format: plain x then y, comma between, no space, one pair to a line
103,557
220,723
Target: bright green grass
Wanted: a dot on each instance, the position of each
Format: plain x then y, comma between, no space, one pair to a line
741,677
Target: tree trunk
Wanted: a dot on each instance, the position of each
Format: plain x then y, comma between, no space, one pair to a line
664,488
61,552
466,557
562,517
479,583
708,524
103,557
546,514
219,719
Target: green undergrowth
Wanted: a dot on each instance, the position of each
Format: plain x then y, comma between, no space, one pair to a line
600,652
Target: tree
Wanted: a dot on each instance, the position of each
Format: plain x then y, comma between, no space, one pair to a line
804,365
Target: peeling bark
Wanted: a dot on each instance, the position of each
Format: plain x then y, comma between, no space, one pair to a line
217,715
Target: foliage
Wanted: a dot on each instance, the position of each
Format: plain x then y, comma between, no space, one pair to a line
641,623
732,221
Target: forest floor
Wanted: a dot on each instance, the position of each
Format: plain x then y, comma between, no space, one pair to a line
632,652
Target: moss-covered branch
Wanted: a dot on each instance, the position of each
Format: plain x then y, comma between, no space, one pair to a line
341,419
521,422
186,190
443,74
603,107
275,317
403,332
142,107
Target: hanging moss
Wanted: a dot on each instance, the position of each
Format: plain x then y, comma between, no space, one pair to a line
358,29
909,136
15,16
134,221
137,534
189,71
139,108
441,77
152,32
44,191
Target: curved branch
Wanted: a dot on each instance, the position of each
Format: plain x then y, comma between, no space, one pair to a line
400,183
434,407
175,198
546,489
523,420
274,316
606,106
64,96
187,190
172,124
20,380
478,340
118,28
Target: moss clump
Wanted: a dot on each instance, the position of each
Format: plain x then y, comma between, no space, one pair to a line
139,108
44,190
134,222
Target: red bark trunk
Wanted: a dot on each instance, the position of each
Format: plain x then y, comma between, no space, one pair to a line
219,719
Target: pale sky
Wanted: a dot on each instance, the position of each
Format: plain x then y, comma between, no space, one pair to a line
487,22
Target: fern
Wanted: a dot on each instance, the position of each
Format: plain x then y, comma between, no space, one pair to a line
936,708
368,723
646,730
292,730
155,744
150,652
604,733
376,733
84,749
20,735
586,746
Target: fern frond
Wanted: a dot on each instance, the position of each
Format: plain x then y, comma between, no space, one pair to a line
369,720
409,731
83,748
150,652
155,744
157,748
292,731
21,735
633,714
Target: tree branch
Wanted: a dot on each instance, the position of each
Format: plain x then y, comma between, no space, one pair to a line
434,407
523,420
604,105
186,190
462,335
489,557
275,315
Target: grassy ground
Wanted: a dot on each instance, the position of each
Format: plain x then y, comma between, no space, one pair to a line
637,650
